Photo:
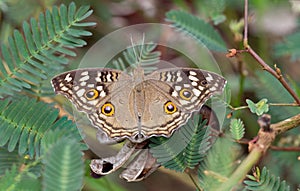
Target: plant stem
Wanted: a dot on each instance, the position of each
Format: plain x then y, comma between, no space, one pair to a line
246,24
242,170
257,149
194,182
274,73
277,74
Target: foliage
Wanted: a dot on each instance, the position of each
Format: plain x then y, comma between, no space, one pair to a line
143,54
218,164
197,28
264,180
258,108
185,149
269,87
237,129
63,166
42,150
289,47
19,129
29,59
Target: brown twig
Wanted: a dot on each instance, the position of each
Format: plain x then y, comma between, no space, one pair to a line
276,73
245,41
290,149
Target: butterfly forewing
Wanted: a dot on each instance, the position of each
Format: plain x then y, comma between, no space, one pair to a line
86,88
190,87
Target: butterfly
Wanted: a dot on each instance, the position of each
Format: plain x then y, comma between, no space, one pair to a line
138,106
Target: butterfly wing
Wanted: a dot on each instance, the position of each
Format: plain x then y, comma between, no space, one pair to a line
190,88
86,88
187,89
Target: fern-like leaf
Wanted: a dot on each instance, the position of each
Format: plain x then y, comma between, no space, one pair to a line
24,122
219,164
145,55
197,28
265,181
64,167
185,149
289,47
7,160
237,129
17,179
28,59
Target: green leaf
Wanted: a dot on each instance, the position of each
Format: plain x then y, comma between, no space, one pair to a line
265,181
64,167
29,57
25,121
145,55
203,32
186,148
259,108
219,164
237,129
289,47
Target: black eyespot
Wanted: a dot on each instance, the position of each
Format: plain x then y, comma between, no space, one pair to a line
170,107
108,109
204,83
91,94
186,94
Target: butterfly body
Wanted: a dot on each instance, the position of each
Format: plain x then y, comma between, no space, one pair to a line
138,106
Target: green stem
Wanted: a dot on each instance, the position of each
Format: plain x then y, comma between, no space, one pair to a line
240,173
194,182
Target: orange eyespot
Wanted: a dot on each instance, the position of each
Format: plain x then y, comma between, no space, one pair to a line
186,94
108,109
91,94
170,107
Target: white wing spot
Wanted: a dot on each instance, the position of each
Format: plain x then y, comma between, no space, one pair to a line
186,85
179,78
194,83
64,88
193,78
85,73
213,88
174,94
108,77
84,78
196,92
91,85
80,92
177,88
201,88
99,88
193,73
209,78
76,88
83,83
83,99
169,77
98,79
68,77
102,94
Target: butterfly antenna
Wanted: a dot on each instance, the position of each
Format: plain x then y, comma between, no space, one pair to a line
142,47
133,48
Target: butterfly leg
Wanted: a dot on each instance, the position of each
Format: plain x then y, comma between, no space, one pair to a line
107,165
